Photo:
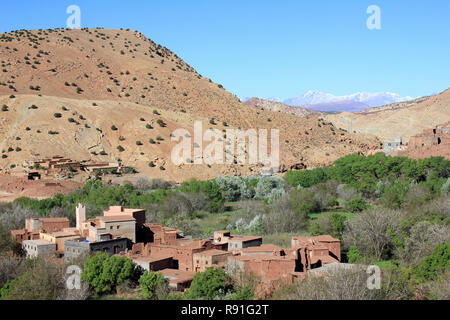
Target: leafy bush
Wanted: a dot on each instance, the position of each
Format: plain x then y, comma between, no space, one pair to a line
434,264
208,284
153,285
103,272
356,205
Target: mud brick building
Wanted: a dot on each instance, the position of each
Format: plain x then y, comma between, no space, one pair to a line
59,238
38,248
235,242
117,222
179,280
35,226
154,262
76,247
210,258
430,143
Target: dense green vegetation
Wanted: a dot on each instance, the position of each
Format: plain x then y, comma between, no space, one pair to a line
393,212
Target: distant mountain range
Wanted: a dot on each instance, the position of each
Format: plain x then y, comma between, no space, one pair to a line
327,102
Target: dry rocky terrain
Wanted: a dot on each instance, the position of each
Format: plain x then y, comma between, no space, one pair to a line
404,119
83,93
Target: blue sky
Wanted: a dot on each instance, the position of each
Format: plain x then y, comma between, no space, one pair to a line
278,48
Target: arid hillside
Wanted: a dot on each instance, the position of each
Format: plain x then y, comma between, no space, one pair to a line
83,93
404,119
263,104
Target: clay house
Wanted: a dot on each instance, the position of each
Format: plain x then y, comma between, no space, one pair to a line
210,258
154,262
179,280
59,238
117,222
34,226
76,247
265,249
236,241
158,234
430,143
38,248
390,146
268,268
182,252
314,252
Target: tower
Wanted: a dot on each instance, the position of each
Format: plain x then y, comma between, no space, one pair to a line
80,216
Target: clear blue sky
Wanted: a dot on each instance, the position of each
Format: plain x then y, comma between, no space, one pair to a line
278,48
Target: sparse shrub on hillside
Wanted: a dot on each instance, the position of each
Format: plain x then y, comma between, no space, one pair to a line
152,141
114,128
162,168
148,126
161,123
151,164
53,132
120,148
138,143
5,108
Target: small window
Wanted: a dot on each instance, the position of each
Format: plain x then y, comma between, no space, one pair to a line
110,228
118,227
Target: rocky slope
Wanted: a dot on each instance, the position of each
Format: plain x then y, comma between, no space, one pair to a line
403,119
82,93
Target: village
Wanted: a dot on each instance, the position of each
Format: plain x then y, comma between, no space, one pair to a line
153,247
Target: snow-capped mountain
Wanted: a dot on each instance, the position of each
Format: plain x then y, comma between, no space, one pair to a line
369,99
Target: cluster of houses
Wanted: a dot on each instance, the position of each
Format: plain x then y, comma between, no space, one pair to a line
152,246
430,143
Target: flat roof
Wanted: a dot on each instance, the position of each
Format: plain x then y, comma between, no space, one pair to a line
152,258
61,234
50,219
177,276
38,242
260,257
240,238
116,218
213,252
263,247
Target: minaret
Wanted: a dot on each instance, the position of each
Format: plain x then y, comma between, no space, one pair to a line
80,216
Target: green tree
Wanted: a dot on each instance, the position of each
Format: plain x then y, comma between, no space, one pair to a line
207,285
437,262
103,272
356,205
152,285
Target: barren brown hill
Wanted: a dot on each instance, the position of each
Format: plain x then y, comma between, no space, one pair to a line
403,119
263,104
82,93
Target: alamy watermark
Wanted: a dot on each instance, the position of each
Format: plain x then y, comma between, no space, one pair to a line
74,20
374,280
374,20
221,149
73,281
